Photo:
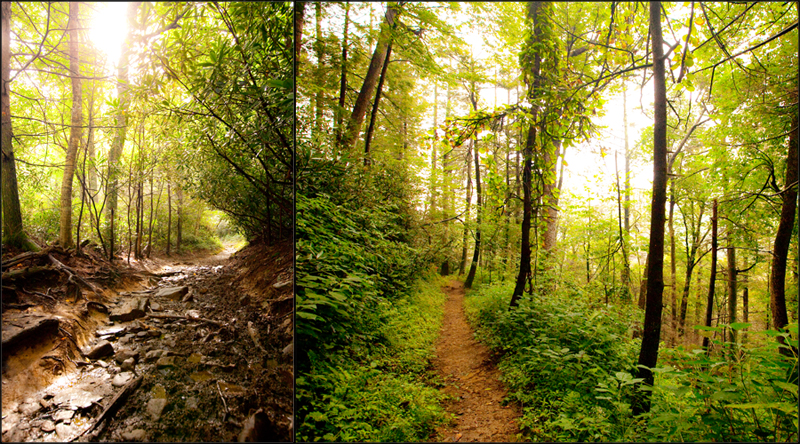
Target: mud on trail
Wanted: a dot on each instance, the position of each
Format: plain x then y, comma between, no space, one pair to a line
472,381
194,350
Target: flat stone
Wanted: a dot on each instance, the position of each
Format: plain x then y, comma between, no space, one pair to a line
155,407
133,308
195,358
74,398
134,435
64,415
154,333
201,376
155,306
191,402
174,293
153,354
48,426
165,361
17,328
128,365
121,379
101,350
113,331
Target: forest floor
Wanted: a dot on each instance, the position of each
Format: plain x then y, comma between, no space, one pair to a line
193,348
472,381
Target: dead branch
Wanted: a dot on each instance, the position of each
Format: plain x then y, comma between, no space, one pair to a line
73,274
22,273
113,406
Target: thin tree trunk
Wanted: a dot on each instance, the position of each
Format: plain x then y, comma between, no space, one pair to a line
318,96
474,266
179,227
376,63
713,275
169,217
343,78
626,269
463,265
690,264
299,12
731,284
76,127
673,281
648,356
376,104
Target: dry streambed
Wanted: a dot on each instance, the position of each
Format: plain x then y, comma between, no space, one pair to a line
194,357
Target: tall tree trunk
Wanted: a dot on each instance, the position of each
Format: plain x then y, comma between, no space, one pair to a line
648,356
76,127
550,199
465,238
673,281
299,12
179,226
530,144
320,70
627,162
376,104
115,152
432,181
376,63
626,269
169,218
13,233
474,266
713,276
690,264
343,77
731,284
783,236
643,285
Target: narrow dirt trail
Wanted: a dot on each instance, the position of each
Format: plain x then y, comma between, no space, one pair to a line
472,381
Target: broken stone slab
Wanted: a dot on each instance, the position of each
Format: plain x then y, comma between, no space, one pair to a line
101,350
29,408
113,331
48,426
155,407
64,431
131,309
73,398
165,361
174,293
153,354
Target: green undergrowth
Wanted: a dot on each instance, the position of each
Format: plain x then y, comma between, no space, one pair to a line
570,363
378,391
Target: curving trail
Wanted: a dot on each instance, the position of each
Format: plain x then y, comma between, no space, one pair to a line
472,381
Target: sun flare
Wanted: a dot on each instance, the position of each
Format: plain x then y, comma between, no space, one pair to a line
107,29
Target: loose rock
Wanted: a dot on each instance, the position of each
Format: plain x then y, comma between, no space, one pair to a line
134,435
48,426
128,365
174,293
155,407
64,415
101,350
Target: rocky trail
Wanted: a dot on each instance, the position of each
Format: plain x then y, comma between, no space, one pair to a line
198,350
472,381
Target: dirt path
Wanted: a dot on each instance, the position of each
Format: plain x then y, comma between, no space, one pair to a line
473,381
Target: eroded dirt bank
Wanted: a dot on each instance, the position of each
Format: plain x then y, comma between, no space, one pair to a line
472,381
198,350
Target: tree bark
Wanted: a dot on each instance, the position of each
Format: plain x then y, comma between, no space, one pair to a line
343,78
376,104
115,152
731,285
376,63
648,356
169,217
713,276
673,281
13,233
530,144
690,264
319,70
76,128
463,264
783,236
299,11
474,266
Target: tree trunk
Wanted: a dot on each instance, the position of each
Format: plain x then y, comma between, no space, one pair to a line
731,285
648,356
783,236
626,269
530,145
627,162
343,78
319,70
13,233
713,276
550,199
179,227
375,104
643,284
76,128
376,63
463,264
169,217
299,11
474,266
673,281
690,264
115,152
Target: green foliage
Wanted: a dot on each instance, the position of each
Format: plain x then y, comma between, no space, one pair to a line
377,391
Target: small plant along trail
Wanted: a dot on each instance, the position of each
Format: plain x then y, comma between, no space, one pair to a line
473,382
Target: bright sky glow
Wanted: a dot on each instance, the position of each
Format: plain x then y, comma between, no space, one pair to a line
107,29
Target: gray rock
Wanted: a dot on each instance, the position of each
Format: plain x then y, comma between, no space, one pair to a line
289,349
128,365
174,293
48,426
134,435
124,354
112,331
155,407
29,408
153,354
64,415
121,379
131,309
64,431
101,350
155,306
